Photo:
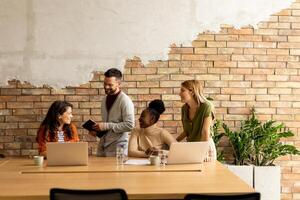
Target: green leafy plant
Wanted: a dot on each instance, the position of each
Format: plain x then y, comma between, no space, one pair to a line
259,143
217,135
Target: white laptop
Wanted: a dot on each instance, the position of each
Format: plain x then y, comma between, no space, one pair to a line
187,152
68,153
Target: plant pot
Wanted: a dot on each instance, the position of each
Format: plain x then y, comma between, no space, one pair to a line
267,182
244,172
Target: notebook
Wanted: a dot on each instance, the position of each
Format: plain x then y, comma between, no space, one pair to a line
68,153
187,152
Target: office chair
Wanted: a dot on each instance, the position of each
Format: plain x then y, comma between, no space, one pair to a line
70,194
251,196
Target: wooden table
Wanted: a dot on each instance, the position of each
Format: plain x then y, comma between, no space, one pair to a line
20,179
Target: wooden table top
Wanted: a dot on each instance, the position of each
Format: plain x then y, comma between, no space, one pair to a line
20,179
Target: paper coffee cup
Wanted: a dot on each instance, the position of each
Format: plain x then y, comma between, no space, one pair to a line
154,160
38,160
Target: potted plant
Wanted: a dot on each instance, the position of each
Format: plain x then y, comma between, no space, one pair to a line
217,135
259,144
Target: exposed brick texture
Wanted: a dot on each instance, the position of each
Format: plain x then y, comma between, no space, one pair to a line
239,68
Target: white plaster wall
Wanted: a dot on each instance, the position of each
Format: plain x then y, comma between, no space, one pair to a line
60,42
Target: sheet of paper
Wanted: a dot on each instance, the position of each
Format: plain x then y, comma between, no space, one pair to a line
137,162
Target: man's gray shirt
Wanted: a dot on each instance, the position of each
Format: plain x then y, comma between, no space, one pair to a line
119,121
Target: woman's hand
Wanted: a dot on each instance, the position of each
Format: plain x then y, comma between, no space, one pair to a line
151,151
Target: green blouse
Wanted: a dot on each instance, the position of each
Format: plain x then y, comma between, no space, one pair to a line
193,128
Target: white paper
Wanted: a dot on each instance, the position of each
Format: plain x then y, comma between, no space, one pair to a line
137,162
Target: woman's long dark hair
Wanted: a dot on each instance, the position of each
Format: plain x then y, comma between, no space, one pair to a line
51,120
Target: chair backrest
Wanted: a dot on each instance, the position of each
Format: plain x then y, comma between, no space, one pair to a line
250,196
70,194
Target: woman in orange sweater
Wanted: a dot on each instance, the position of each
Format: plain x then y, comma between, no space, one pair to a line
57,127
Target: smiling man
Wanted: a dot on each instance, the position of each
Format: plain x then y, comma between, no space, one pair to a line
117,112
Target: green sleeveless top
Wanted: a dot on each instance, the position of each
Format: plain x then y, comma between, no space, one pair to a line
193,128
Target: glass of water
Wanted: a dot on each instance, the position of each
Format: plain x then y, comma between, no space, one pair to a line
163,155
120,154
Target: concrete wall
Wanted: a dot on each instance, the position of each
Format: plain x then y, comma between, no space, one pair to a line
61,42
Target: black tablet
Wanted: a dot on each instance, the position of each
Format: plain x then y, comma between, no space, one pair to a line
88,125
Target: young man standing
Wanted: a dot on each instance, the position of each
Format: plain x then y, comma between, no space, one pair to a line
117,112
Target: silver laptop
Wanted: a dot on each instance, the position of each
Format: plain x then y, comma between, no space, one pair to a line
68,153
187,152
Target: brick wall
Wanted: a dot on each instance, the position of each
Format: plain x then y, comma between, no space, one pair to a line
239,68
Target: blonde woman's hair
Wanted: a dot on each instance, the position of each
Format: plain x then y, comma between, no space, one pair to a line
196,88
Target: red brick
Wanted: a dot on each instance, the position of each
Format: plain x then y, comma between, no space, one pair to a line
205,50
215,44
267,97
266,31
8,98
197,43
9,91
23,111
181,50
202,64
193,57
205,37
86,91
194,70
279,91
161,90
240,44
274,38
240,71
242,57
243,97
230,50
175,64
243,31
216,83
77,98
231,77
174,56
255,51
19,105
277,78
64,91
227,38
248,64
218,71
138,91
242,84
217,57
35,91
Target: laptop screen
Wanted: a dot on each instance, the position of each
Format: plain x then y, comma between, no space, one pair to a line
187,152
68,153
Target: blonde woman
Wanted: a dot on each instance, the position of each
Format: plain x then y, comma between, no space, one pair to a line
197,115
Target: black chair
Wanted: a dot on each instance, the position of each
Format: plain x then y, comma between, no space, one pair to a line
70,194
251,196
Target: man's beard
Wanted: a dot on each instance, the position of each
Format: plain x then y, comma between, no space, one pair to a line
109,91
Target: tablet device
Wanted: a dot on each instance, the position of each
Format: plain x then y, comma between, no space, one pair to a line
88,125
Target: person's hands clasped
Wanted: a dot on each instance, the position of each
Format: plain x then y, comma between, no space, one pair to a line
151,151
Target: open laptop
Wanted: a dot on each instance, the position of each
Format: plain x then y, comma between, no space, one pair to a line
68,153
187,152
